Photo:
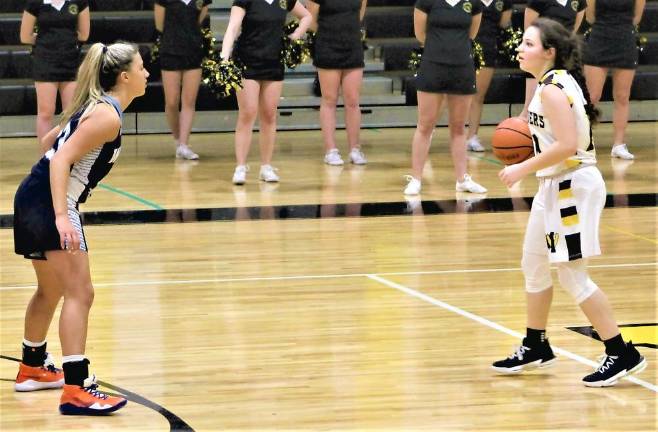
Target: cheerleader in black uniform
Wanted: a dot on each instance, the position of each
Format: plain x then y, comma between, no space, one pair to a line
339,60
447,73
62,26
611,45
181,54
496,14
260,26
569,13
48,229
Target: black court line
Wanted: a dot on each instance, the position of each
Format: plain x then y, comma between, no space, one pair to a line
590,332
176,424
319,211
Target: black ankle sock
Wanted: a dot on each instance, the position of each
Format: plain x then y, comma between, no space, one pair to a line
615,346
75,373
34,356
535,337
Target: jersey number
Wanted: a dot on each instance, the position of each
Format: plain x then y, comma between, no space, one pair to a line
535,141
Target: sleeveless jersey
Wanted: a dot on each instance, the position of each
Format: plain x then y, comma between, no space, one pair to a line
91,168
542,132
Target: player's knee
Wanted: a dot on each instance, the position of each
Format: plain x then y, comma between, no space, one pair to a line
574,278
537,272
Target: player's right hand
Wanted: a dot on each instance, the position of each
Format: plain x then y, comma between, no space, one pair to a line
68,236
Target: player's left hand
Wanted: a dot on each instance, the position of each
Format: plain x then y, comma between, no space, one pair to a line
511,174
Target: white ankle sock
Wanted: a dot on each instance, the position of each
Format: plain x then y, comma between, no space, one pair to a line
73,358
33,344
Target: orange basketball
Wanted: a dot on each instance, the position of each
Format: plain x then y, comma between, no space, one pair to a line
512,142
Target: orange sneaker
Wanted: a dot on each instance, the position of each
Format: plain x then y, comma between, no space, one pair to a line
39,378
88,400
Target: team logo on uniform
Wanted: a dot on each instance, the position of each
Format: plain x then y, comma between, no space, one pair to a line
199,4
283,4
551,241
468,7
73,9
574,5
500,5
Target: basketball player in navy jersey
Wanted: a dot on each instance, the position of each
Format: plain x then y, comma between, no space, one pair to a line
48,229
566,211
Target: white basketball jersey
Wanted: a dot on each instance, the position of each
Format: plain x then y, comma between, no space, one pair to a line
542,133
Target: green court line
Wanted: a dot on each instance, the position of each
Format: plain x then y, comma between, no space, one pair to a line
486,159
131,196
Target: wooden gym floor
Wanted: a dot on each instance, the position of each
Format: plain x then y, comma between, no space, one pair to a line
328,302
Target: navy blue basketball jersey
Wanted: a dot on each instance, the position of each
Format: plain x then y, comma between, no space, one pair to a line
91,168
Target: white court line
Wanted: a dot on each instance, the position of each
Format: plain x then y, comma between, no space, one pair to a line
299,277
495,326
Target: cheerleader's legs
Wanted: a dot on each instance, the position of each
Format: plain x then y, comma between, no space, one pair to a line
268,101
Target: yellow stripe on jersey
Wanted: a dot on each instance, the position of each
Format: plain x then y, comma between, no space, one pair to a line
572,163
570,220
565,194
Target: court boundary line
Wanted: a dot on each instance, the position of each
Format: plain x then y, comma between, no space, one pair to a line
473,317
325,276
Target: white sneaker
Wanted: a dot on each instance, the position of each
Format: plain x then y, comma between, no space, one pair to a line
357,157
333,158
240,174
184,152
468,185
268,174
621,151
413,187
473,144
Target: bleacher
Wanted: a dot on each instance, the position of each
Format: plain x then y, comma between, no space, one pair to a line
388,89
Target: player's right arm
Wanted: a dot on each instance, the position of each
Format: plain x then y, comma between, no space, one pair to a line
98,128
232,31
28,36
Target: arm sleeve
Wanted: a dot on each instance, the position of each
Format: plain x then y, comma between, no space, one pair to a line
207,2
32,7
83,4
291,4
582,6
537,5
424,5
507,5
477,8
162,3
244,4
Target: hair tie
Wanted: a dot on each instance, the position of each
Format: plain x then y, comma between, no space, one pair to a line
104,49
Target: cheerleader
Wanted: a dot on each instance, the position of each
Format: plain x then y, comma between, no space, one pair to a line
181,53
563,227
496,14
260,26
61,26
48,228
446,74
339,59
612,45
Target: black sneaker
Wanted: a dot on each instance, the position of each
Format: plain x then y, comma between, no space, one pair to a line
526,358
613,368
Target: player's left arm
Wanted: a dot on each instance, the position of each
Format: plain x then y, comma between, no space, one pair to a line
362,11
475,25
83,25
563,124
639,10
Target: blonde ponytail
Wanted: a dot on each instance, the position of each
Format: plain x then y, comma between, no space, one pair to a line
97,74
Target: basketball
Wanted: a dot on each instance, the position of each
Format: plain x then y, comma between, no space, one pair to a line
512,142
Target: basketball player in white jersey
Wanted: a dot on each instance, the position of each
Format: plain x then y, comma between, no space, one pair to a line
564,220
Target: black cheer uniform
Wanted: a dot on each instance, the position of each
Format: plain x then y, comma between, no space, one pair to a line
611,43
338,39
181,44
260,42
487,36
562,11
447,62
56,54
35,231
